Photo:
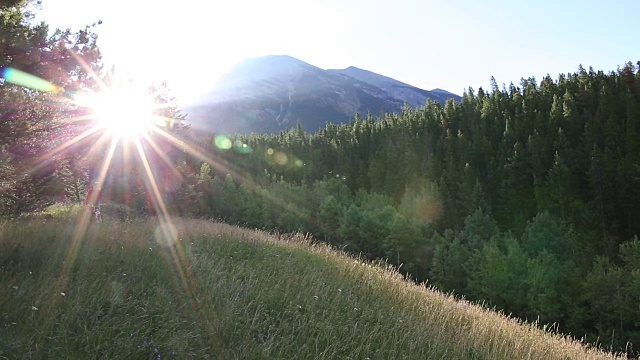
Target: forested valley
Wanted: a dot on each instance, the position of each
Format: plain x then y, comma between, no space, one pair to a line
526,198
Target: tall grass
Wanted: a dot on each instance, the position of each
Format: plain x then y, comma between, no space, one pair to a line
211,291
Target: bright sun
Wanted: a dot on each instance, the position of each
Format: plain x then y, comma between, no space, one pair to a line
125,113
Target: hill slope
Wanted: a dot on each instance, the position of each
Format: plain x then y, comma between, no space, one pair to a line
119,291
273,93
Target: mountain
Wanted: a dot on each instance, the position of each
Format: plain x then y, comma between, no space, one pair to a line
272,93
398,90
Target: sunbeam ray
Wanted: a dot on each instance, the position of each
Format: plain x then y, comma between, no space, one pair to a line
92,74
168,228
44,159
82,223
216,164
158,201
162,156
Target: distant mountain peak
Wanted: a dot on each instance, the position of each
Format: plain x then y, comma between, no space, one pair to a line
261,69
440,91
277,60
355,68
272,93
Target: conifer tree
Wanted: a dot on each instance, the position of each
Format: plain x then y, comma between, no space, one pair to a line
34,120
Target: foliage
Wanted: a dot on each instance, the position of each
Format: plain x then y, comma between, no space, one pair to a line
33,122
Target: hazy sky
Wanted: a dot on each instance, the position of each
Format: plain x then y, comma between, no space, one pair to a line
446,44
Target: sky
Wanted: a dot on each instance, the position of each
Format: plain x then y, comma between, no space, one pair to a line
452,45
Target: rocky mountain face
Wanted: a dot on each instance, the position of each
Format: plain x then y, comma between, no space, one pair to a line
274,93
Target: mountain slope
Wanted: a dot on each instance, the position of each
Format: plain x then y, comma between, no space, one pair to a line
137,290
398,90
273,93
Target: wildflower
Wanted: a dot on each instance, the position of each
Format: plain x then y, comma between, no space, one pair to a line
34,308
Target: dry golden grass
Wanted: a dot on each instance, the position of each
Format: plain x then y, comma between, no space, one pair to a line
209,290
466,325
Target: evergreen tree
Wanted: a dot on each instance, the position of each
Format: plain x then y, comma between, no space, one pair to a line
329,217
33,120
449,269
498,273
405,245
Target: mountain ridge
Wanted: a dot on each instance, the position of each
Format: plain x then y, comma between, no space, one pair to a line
275,92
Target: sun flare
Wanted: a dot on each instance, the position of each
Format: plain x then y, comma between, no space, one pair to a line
125,113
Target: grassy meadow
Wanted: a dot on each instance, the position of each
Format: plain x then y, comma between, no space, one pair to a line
204,290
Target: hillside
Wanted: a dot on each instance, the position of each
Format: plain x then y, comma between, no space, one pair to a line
118,291
273,93
398,90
